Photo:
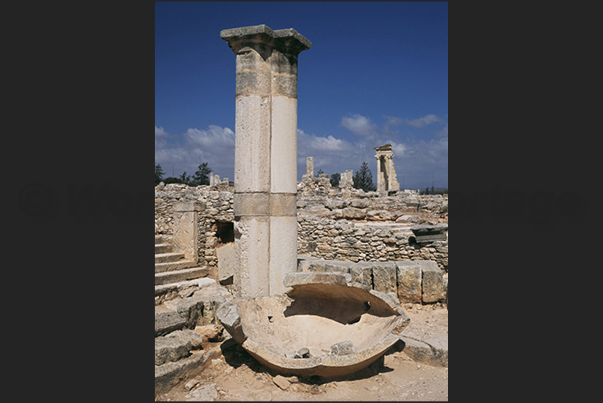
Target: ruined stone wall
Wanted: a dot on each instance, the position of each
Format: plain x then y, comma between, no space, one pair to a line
333,224
343,240
218,202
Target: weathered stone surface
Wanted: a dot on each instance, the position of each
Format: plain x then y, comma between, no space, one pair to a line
343,348
211,298
429,229
409,281
212,332
354,213
439,348
283,39
168,374
203,393
226,261
362,273
294,279
430,238
384,277
281,382
191,309
334,266
175,345
429,233
433,282
166,322
359,203
368,245
228,314
187,335
274,327
433,351
191,384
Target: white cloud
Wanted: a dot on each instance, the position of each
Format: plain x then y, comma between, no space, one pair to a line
185,152
415,160
159,131
392,121
314,142
399,149
213,138
359,125
424,121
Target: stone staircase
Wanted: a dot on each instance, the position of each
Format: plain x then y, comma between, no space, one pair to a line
183,327
172,270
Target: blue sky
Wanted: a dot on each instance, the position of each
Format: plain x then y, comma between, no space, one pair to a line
377,73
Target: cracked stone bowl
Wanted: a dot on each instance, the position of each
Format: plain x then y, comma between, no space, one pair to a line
323,325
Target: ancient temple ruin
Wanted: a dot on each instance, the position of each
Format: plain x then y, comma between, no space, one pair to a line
329,311
386,174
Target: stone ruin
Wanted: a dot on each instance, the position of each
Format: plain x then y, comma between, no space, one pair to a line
301,248
386,174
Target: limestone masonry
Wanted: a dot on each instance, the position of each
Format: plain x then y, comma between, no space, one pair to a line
332,223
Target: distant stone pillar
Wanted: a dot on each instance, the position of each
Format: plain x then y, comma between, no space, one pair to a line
386,174
185,235
346,179
310,166
265,156
393,180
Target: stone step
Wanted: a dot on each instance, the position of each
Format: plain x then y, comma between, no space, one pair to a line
163,239
168,257
163,248
171,266
180,275
198,282
167,321
176,345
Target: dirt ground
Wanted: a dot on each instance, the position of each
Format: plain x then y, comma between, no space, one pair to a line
235,376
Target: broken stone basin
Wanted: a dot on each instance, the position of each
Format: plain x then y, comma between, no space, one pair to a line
345,327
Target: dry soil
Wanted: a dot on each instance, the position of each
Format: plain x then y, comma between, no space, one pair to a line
235,376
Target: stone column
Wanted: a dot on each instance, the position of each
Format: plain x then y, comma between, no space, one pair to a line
265,156
393,180
186,234
310,166
380,174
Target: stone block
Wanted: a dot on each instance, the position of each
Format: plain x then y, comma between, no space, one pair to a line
293,279
166,322
354,213
384,277
226,261
362,273
333,266
433,282
252,144
175,345
253,82
429,233
409,281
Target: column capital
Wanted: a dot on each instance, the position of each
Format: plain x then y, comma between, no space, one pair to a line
284,40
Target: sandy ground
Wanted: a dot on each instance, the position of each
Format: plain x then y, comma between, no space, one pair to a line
235,376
